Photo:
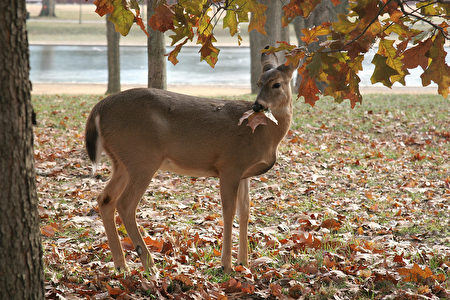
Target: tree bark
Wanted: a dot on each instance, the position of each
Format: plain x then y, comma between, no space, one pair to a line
157,76
48,8
113,38
275,32
21,275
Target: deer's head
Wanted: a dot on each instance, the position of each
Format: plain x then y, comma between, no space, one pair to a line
275,91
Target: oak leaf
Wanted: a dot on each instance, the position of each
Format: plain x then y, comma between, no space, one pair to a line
208,51
172,56
415,273
162,19
331,224
231,286
308,89
122,17
383,71
254,119
230,21
386,49
258,18
311,34
103,7
298,8
415,56
438,71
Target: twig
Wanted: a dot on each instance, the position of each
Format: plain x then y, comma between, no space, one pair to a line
362,32
402,8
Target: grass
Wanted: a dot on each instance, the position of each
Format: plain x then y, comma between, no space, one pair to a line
355,166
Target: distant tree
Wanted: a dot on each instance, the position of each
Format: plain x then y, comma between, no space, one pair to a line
20,242
48,8
113,39
156,49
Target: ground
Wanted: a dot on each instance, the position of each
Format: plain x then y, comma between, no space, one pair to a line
357,207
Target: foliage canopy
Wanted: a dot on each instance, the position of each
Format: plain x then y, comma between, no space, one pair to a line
407,34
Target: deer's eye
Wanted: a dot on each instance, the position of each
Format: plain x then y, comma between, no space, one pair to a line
276,85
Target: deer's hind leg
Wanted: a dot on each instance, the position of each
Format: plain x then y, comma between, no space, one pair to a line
140,177
107,202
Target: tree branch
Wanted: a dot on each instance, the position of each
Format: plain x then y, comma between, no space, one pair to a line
362,32
402,8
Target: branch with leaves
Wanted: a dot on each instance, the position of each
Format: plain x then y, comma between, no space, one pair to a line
407,34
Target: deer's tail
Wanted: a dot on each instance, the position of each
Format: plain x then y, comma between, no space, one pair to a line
92,138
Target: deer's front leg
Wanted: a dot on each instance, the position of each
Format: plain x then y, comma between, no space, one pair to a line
244,214
228,191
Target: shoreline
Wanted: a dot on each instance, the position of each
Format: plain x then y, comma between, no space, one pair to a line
198,90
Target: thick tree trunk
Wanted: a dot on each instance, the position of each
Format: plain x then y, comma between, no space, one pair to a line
113,38
275,32
157,77
48,8
21,275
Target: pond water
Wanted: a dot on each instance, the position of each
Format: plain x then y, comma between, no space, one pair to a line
87,64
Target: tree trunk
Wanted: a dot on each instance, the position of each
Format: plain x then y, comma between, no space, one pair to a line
113,38
157,76
21,275
275,32
48,8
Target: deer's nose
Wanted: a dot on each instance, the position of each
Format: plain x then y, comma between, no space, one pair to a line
257,107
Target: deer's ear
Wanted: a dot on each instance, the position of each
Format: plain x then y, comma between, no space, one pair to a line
268,61
287,69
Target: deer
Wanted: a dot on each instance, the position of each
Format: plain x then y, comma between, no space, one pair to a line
144,130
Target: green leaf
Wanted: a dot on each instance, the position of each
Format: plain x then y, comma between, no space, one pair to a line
438,71
122,17
230,21
386,49
194,7
204,24
134,5
382,72
241,9
314,67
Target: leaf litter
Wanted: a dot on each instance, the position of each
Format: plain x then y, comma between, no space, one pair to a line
357,207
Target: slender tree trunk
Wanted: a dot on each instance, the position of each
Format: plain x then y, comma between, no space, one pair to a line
258,41
113,38
157,76
48,8
21,275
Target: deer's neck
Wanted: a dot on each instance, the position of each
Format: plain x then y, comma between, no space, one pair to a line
284,118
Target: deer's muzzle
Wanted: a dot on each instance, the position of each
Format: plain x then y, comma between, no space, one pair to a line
257,107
